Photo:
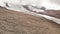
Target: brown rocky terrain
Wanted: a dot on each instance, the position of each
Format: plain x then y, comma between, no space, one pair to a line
54,13
12,22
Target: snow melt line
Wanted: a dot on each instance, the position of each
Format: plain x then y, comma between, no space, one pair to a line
40,15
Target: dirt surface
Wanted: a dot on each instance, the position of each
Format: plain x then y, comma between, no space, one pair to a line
12,22
54,13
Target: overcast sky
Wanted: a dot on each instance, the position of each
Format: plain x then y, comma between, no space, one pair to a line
46,3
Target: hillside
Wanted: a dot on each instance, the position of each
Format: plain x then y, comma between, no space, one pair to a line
12,22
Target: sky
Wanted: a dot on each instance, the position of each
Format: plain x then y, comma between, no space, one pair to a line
50,5
46,3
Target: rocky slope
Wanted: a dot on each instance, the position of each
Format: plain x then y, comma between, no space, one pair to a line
12,22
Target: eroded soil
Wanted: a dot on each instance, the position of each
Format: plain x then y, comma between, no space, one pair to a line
12,22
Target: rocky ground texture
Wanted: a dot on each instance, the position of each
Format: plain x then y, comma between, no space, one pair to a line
12,22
